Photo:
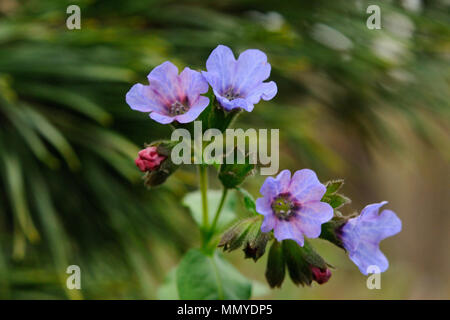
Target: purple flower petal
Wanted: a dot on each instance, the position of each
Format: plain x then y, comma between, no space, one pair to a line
139,98
269,223
221,64
291,217
263,206
164,80
286,230
265,91
311,216
368,254
193,83
306,187
272,187
251,70
362,235
170,97
239,84
195,110
234,104
161,118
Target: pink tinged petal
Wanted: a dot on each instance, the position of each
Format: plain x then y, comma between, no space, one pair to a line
311,216
164,82
286,230
251,69
263,206
274,186
163,119
221,63
192,84
284,179
306,187
269,223
139,98
194,111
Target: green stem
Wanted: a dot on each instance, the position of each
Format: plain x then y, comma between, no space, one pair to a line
220,294
219,209
203,177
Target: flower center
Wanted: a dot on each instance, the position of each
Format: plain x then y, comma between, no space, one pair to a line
283,207
231,95
177,108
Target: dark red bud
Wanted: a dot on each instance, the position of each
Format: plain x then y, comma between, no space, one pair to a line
321,275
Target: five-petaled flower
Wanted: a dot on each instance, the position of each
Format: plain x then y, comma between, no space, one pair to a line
149,159
170,97
292,207
239,83
361,236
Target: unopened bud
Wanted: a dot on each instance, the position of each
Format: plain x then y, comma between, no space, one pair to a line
148,159
320,275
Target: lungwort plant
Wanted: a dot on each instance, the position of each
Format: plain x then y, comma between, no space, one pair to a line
293,207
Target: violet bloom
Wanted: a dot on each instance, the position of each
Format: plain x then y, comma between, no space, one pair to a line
361,236
292,206
170,97
239,83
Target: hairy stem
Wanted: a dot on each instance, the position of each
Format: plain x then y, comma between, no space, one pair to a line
203,179
219,210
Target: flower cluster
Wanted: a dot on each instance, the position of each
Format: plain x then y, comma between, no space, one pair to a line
293,207
237,84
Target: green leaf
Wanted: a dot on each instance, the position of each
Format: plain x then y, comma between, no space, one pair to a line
336,200
168,290
203,277
276,269
193,201
249,201
333,186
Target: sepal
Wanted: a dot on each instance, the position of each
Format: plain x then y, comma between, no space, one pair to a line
232,175
276,265
334,199
246,234
166,168
304,263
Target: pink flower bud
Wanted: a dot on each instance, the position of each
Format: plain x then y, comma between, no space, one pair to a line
321,275
148,159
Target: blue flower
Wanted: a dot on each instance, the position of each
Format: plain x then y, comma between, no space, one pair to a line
170,97
292,206
361,236
239,83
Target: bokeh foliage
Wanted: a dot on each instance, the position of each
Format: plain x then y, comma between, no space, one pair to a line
69,190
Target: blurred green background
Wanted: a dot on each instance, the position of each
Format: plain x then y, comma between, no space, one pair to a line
369,106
